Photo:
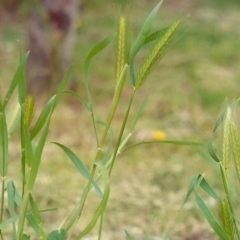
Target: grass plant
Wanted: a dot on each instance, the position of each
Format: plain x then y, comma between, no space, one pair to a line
225,223
21,205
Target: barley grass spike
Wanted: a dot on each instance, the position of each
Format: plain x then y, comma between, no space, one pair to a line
156,54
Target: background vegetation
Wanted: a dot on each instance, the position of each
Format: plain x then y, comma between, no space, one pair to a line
187,90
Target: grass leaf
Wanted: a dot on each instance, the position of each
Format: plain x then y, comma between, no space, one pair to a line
211,219
176,142
80,99
141,38
194,181
3,143
18,76
94,51
43,116
101,208
80,167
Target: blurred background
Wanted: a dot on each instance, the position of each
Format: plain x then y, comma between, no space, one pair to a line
186,92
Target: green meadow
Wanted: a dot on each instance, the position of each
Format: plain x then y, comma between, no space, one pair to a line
185,93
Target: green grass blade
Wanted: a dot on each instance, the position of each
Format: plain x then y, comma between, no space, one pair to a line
37,156
211,219
101,208
13,118
43,116
18,76
207,188
3,144
11,204
211,150
139,113
61,87
94,51
176,142
9,221
35,219
80,167
80,99
141,38
194,182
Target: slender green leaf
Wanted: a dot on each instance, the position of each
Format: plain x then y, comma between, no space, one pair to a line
207,188
80,167
13,118
194,181
37,156
141,38
43,116
79,98
33,223
61,87
11,204
9,221
211,150
101,208
3,144
176,142
94,51
18,76
139,113
57,235
211,219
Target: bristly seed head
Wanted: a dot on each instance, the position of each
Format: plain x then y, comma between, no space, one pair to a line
122,47
156,54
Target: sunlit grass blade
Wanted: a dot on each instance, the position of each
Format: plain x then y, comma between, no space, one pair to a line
139,42
211,219
194,181
35,219
13,118
94,51
37,156
139,113
176,142
141,38
9,221
101,208
80,99
11,204
3,144
43,116
18,76
80,167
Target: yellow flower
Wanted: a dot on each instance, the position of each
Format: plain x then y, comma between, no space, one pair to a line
159,135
